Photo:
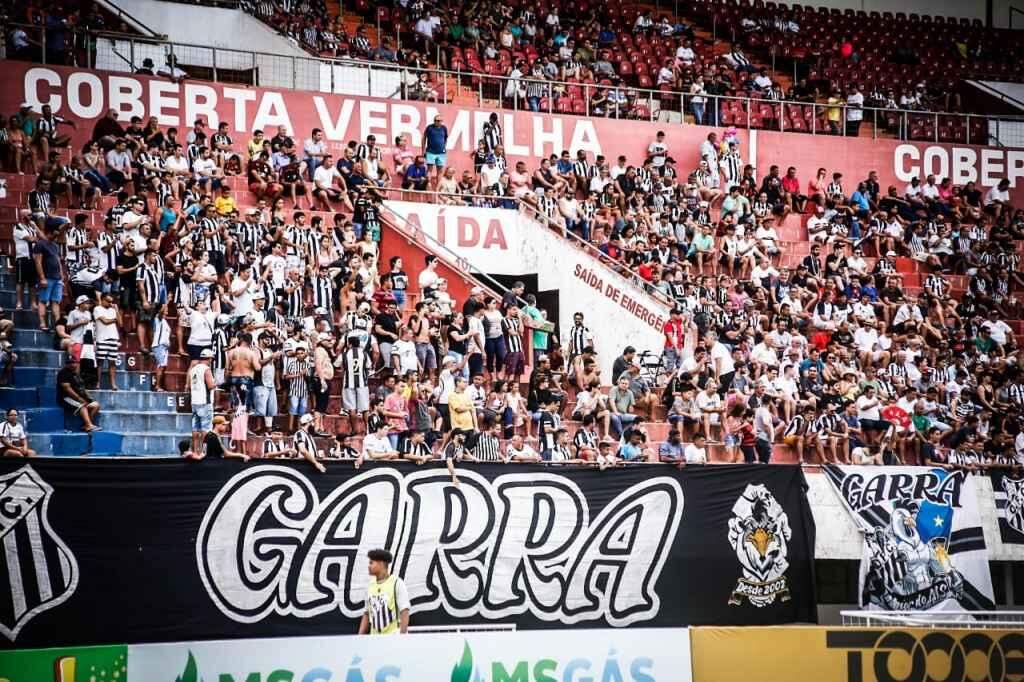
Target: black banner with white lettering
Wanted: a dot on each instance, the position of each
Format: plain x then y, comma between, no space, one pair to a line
1008,492
160,550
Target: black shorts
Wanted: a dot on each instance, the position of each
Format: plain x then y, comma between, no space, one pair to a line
25,272
217,261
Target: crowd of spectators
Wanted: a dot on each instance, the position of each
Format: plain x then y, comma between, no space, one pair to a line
281,309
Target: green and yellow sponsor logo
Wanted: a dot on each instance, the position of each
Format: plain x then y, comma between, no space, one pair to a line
69,664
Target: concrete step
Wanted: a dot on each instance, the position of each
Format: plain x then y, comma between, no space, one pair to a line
152,443
20,397
44,376
76,444
32,338
43,419
139,401
40,357
146,422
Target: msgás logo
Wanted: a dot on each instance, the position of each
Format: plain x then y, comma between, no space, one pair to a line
356,672
579,669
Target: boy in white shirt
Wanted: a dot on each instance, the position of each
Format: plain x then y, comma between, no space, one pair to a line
696,452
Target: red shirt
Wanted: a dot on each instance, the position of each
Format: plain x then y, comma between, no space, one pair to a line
791,185
674,334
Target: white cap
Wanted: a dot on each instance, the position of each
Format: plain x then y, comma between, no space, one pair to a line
305,419
890,253
206,353
81,299
475,290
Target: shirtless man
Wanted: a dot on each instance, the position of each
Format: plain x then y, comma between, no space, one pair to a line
243,362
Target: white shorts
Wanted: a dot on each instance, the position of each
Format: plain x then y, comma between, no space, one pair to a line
356,399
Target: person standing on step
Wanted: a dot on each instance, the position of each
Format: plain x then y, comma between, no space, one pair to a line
25,235
304,444
49,276
107,320
161,346
242,364
200,386
435,148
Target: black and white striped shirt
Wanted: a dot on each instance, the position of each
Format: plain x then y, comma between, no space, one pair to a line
796,427
273,448
356,366
487,448
297,386
150,278
409,448
323,291
584,438
213,241
293,299
303,440
76,236
492,136
513,328
578,339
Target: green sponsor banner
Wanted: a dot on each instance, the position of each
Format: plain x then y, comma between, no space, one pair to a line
70,664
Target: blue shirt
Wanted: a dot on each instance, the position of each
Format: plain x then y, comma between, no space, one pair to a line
415,172
860,200
669,451
629,452
437,138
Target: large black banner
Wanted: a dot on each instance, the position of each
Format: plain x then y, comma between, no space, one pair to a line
1008,492
136,551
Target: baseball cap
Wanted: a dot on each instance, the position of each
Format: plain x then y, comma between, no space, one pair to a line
206,353
890,253
305,419
81,299
475,290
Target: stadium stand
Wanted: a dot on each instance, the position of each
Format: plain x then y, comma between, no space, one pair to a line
826,321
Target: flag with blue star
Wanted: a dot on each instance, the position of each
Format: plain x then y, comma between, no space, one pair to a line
934,521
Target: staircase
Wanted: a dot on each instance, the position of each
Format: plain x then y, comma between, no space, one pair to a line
135,420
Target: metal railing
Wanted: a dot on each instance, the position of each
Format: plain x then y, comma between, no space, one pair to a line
125,53
430,196
410,231
973,620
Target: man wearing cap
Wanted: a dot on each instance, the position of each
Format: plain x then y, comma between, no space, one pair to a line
73,396
387,598
213,445
200,386
415,177
304,444
474,302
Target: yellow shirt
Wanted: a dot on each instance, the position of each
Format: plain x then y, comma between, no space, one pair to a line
833,112
224,205
461,420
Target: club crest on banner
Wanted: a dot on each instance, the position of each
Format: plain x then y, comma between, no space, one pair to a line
759,533
1014,510
923,541
36,566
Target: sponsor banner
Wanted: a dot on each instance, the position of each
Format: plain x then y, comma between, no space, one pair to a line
86,96
896,162
69,664
924,548
854,654
177,550
1009,496
637,655
497,241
